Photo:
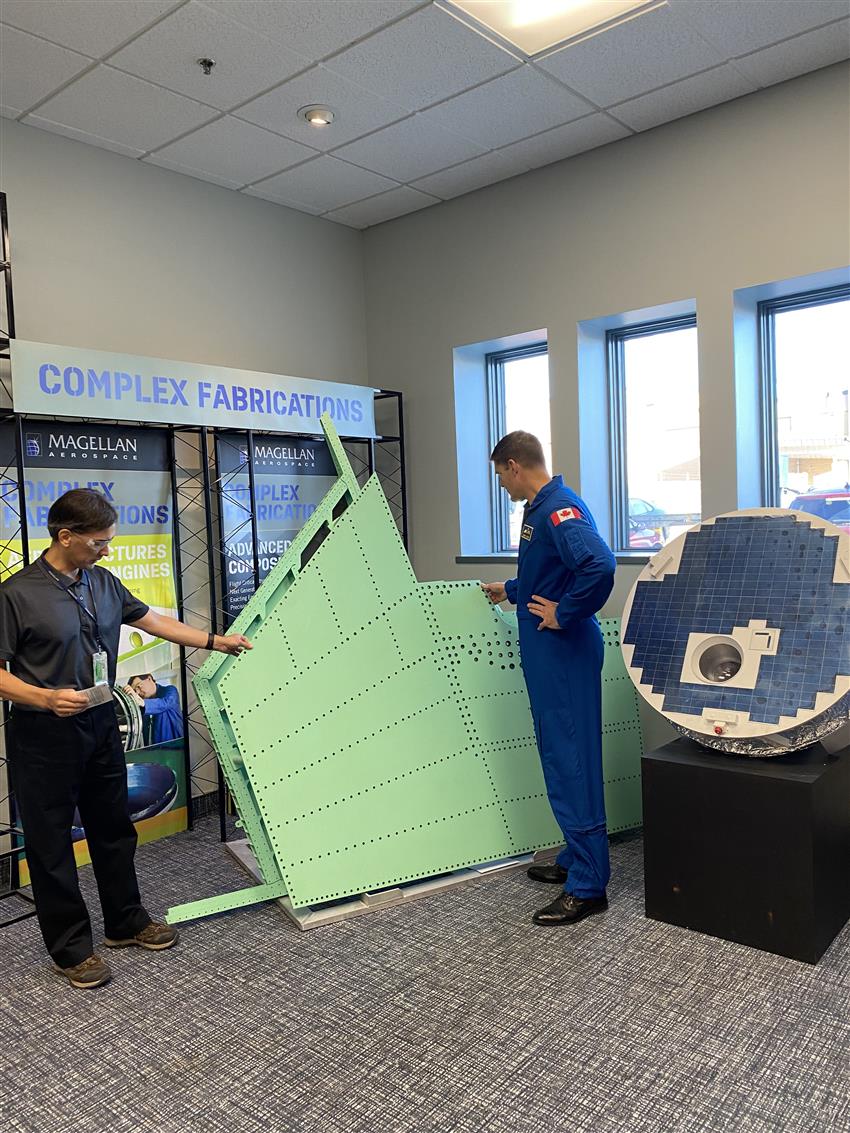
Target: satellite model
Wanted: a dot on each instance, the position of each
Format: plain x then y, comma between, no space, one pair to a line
738,632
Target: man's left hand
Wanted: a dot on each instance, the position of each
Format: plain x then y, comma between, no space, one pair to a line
234,643
545,610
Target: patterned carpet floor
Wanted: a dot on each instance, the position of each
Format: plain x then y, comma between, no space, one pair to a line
452,1014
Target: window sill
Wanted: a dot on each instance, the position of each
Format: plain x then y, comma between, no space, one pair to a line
624,558
632,558
491,558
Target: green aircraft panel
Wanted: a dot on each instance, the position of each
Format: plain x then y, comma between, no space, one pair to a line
379,731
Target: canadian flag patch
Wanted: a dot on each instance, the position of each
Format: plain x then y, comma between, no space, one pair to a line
564,514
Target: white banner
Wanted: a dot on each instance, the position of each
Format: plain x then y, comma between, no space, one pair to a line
66,381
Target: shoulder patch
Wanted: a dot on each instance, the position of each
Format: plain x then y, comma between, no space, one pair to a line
564,514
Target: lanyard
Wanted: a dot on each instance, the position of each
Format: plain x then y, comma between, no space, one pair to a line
67,590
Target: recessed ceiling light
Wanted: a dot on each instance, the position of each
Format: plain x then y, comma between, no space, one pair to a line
317,115
538,25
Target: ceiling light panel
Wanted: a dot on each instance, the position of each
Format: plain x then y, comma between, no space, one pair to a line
538,25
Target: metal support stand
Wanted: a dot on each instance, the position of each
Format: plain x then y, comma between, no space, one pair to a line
315,916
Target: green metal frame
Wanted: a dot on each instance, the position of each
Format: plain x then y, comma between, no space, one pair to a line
379,731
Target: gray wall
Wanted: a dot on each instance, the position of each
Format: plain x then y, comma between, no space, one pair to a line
749,192
114,254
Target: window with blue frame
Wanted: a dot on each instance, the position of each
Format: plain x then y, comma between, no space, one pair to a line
804,342
653,393
518,398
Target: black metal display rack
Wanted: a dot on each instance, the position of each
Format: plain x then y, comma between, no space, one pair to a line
11,835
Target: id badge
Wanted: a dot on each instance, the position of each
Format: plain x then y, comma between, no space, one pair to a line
99,668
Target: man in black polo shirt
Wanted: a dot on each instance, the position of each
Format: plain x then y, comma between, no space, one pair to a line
60,620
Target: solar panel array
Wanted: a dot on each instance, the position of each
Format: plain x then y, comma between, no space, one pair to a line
777,567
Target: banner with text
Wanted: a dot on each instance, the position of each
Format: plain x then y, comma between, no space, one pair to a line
291,475
130,467
73,382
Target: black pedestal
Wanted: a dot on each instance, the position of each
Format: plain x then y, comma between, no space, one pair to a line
751,850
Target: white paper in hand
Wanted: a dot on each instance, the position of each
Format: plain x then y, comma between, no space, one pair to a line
97,694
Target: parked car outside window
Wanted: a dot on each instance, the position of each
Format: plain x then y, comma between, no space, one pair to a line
831,505
644,538
646,526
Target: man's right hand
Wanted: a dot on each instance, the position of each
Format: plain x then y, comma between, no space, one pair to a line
65,701
495,591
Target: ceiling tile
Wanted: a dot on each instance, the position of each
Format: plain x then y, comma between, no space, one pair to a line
686,97
314,28
198,174
83,136
736,29
323,184
409,149
89,26
509,108
426,57
566,141
798,56
357,111
246,63
30,69
646,52
122,109
475,174
387,206
276,198
232,151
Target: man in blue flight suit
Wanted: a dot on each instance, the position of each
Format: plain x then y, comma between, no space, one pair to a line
565,573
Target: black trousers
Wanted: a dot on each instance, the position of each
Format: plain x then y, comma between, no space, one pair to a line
57,764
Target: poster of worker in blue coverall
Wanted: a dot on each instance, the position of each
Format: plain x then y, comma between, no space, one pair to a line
160,703
565,572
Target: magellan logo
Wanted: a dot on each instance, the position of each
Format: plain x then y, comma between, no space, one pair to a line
284,456
33,444
96,448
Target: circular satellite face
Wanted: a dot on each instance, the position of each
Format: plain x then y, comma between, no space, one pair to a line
739,631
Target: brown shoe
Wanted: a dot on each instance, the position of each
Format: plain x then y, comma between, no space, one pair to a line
92,972
155,937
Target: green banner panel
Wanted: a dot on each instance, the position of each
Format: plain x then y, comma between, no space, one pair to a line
379,731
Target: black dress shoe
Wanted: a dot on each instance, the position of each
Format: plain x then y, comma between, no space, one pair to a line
552,874
567,909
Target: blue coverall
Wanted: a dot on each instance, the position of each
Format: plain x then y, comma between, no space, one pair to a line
563,557
163,716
